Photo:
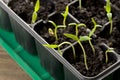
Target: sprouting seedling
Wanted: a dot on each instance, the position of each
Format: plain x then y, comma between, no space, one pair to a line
51,32
106,53
56,28
36,8
58,46
109,14
65,14
79,40
92,32
76,26
80,4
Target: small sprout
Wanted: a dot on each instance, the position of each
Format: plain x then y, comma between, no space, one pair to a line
36,8
76,26
65,14
79,40
58,46
56,28
80,4
94,28
92,32
106,53
109,14
50,31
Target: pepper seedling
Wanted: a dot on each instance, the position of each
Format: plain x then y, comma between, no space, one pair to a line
76,26
58,46
65,14
106,53
56,28
79,40
92,32
36,8
109,14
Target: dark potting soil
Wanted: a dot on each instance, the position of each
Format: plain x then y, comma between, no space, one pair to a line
60,5
90,9
116,3
96,63
114,39
25,8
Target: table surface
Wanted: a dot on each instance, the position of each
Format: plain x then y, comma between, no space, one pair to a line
9,69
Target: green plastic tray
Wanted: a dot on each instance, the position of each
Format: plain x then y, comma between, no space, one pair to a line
28,62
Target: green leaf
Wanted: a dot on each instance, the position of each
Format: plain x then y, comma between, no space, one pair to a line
84,38
108,6
74,37
37,5
66,12
51,45
67,9
34,17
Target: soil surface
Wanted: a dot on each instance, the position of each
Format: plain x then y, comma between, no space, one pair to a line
25,8
96,63
114,38
90,9
116,3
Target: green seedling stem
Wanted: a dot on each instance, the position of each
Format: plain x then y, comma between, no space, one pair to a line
79,40
80,4
109,14
65,14
58,46
56,28
85,58
36,8
76,26
106,53
92,32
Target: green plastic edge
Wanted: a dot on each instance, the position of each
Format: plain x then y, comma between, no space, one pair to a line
29,63
19,61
